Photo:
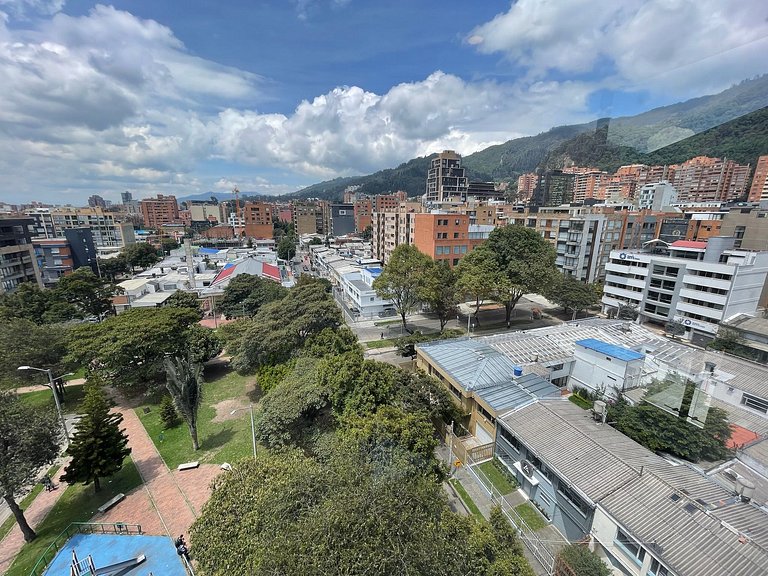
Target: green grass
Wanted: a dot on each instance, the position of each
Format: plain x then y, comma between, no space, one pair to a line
580,402
532,517
10,522
73,398
382,343
468,502
225,441
79,373
78,504
497,478
388,322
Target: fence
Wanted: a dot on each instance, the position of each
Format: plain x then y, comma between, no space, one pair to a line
531,540
80,528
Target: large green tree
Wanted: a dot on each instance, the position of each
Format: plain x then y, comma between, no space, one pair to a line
578,560
184,381
127,349
87,292
99,446
402,279
525,261
23,343
182,299
141,254
439,291
571,294
28,441
286,248
478,276
297,516
114,267
246,293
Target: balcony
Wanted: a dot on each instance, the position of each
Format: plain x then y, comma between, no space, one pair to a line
720,299
714,316
634,282
622,293
707,282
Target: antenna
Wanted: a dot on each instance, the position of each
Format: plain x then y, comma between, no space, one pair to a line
236,192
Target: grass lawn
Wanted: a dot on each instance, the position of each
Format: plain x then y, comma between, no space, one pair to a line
73,397
580,402
10,522
381,343
468,502
223,439
532,517
77,504
79,373
387,322
499,481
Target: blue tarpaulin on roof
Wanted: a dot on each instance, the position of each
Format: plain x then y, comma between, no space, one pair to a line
618,352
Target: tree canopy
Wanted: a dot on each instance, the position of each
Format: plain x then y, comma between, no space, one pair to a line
402,279
578,560
40,346
478,276
438,291
141,255
182,299
91,295
28,441
246,293
569,293
127,349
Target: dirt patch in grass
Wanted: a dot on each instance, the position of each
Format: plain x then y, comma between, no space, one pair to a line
225,407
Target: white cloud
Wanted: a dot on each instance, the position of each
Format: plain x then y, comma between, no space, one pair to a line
679,47
24,8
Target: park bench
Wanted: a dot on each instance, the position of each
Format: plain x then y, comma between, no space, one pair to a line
188,466
107,505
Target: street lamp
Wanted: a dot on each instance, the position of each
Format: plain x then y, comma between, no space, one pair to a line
253,427
52,386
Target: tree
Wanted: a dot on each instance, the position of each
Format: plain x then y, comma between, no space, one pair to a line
674,328
478,276
526,263
439,291
168,244
28,301
168,413
578,560
140,254
127,349
112,268
89,293
23,343
402,279
181,299
246,293
571,294
28,441
185,385
286,248
366,234
98,446
627,311
730,342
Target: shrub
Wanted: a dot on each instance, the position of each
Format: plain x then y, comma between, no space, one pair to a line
168,413
578,560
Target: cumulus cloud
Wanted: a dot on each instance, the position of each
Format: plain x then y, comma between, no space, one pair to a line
682,46
25,8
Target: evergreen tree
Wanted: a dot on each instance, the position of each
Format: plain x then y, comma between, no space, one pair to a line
99,446
168,413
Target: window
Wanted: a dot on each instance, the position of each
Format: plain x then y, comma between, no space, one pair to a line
657,569
509,437
455,234
573,498
455,261
630,546
754,402
457,249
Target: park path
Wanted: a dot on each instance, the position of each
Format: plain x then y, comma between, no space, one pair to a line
35,513
165,504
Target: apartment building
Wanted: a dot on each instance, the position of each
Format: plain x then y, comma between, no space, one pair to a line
97,201
341,219
703,179
257,218
748,225
307,218
526,184
17,255
107,232
390,229
759,189
159,211
446,178
656,196
696,283
446,237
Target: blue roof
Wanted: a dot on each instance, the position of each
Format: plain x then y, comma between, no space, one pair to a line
618,352
209,251
374,271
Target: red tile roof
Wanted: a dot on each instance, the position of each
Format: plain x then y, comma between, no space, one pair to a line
740,436
688,244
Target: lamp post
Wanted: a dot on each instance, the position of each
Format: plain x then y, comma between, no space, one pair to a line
52,386
253,427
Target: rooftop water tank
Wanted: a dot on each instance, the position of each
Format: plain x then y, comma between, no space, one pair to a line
745,488
517,371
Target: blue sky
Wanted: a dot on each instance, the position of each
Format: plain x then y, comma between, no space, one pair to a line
186,97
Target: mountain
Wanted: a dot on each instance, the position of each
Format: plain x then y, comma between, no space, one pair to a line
742,139
610,141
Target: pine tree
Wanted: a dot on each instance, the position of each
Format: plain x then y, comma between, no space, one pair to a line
168,413
99,446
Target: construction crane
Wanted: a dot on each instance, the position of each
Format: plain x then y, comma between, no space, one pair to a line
236,192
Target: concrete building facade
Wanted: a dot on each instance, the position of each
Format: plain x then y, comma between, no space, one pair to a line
17,254
159,211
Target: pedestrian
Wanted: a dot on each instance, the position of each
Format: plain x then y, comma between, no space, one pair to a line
382,335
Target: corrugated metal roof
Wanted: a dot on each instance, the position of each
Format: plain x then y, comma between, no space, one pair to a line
522,390
618,352
633,484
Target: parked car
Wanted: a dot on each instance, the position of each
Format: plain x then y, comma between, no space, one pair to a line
387,313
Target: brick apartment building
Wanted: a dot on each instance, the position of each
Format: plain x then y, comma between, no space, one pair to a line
159,211
258,217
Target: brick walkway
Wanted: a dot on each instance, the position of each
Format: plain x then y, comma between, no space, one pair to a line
166,504
35,513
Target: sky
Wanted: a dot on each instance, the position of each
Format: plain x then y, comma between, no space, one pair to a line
170,97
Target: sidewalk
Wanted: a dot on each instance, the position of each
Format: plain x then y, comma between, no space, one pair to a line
36,513
38,387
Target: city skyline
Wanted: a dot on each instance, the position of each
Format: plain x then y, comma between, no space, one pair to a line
139,96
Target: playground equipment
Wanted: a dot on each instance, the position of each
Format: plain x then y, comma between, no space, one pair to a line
85,567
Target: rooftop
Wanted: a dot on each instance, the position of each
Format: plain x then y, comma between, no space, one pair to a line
618,352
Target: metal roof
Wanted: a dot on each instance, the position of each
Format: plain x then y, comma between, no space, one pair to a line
522,390
618,352
634,485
